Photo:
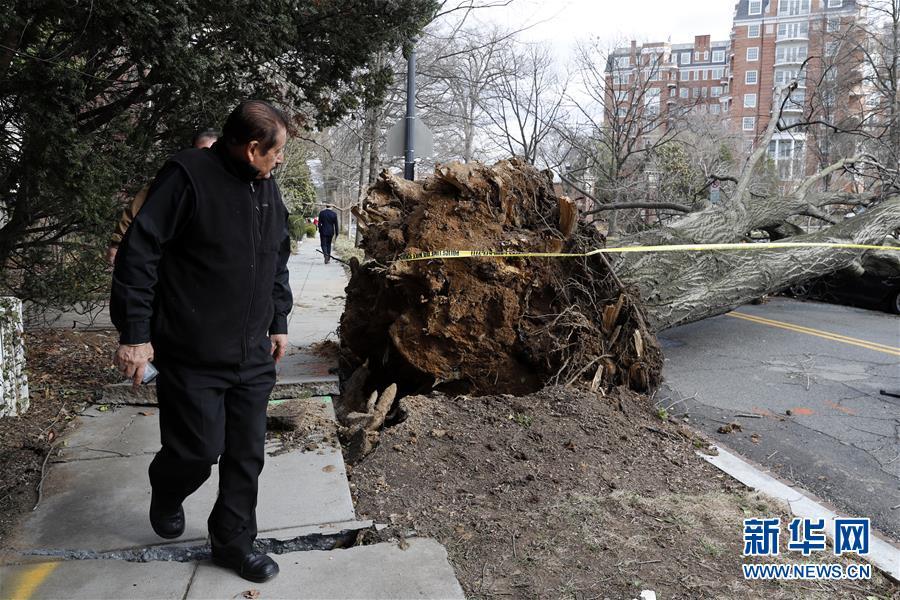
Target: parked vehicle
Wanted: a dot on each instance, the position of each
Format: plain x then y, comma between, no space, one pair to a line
870,291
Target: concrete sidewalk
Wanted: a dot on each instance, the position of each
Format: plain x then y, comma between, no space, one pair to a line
89,537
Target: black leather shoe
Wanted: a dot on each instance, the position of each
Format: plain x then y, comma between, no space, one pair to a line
254,567
168,525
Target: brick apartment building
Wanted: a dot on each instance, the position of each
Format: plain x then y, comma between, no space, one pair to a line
771,41
661,82
776,41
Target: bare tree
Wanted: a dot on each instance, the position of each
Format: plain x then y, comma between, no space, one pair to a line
525,100
456,83
622,118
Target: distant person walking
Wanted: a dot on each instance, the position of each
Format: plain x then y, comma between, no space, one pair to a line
201,139
328,228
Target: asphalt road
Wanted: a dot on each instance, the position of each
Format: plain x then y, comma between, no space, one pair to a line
811,374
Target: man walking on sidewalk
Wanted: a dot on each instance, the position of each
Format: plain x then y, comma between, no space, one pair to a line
201,288
328,228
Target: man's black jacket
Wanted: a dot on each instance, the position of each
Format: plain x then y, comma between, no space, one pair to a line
202,271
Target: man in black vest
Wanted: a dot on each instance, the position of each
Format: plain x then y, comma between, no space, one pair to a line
328,228
200,287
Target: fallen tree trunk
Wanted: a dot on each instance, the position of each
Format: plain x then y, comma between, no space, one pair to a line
682,288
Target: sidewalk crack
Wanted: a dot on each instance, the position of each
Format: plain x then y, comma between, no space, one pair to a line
346,538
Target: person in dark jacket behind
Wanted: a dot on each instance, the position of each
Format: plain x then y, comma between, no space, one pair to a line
200,287
328,228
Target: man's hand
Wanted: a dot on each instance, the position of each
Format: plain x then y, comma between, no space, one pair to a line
132,360
111,255
279,345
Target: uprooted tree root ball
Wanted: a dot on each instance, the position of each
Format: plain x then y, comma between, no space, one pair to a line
486,325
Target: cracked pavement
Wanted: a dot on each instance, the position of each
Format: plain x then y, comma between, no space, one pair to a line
812,409
89,537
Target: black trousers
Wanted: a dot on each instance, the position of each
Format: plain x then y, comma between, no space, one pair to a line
326,244
209,415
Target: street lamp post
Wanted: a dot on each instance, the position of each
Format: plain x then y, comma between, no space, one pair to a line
409,163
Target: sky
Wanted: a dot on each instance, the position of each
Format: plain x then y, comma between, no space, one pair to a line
562,22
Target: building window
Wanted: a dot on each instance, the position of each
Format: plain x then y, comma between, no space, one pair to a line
684,92
651,102
785,76
749,100
719,73
755,7
790,54
623,62
715,91
753,31
788,156
718,56
714,109
753,53
695,92
684,58
831,48
705,73
788,31
793,7
751,78
672,92
748,124
835,3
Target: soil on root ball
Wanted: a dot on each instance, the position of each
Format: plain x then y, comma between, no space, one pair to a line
482,325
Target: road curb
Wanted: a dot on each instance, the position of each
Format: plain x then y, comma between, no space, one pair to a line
882,553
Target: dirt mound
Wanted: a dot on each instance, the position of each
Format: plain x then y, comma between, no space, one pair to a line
488,325
568,494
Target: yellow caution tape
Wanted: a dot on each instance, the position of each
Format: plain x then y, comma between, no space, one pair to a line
444,254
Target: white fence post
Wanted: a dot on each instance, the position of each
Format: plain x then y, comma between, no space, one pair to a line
13,380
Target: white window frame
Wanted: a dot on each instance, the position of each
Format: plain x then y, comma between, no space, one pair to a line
749,100
754,3
715,109
832,24
755,51
748,124
751,80
684,92
718,56
684,58
835,3
751,29
715,91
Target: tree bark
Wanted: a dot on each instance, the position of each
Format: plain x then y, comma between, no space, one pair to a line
679,288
